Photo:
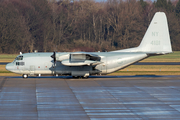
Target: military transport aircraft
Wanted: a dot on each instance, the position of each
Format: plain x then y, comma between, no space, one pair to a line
156,41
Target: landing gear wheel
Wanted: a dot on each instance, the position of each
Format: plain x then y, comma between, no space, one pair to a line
75,77
85,77
25,76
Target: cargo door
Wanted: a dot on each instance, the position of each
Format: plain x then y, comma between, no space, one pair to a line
104,65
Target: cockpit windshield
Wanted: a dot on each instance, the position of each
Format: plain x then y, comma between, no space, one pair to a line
18,58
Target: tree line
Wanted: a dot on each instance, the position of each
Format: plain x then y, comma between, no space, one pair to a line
83,25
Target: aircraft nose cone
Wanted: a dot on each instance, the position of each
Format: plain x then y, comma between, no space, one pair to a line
8,67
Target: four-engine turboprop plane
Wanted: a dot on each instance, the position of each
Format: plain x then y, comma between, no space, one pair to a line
156,41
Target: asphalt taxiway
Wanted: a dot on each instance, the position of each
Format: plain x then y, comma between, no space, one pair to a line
96,98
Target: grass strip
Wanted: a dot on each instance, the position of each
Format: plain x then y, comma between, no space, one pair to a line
9,74
5,72
172,57
146,73
152,68
2,68
8,56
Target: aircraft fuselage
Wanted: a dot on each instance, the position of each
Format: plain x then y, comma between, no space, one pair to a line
42,63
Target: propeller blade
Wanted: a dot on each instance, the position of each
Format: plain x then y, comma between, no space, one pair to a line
54,57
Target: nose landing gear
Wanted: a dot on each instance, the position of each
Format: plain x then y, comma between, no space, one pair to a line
25,76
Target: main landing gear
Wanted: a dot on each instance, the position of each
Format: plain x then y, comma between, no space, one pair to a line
80,77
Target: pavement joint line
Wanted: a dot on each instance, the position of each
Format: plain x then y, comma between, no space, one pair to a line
155,97
77,99
171,105
119,101
2,83
36,98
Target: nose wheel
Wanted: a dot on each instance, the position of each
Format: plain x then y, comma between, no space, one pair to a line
25,76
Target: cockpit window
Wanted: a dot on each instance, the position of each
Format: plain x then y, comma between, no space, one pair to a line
19,58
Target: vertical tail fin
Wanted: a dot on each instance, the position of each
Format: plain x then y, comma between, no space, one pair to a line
156,39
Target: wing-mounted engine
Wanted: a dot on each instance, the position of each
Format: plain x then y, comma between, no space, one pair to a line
79,59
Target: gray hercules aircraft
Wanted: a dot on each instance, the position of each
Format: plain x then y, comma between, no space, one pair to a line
156,41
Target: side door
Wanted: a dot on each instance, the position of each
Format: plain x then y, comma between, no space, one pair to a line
32,69
104,65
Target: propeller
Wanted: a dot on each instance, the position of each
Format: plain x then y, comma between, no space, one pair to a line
54,57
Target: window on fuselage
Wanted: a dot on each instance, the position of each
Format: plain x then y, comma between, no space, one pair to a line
20,63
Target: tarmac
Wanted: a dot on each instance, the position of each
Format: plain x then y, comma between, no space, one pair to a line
95,98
